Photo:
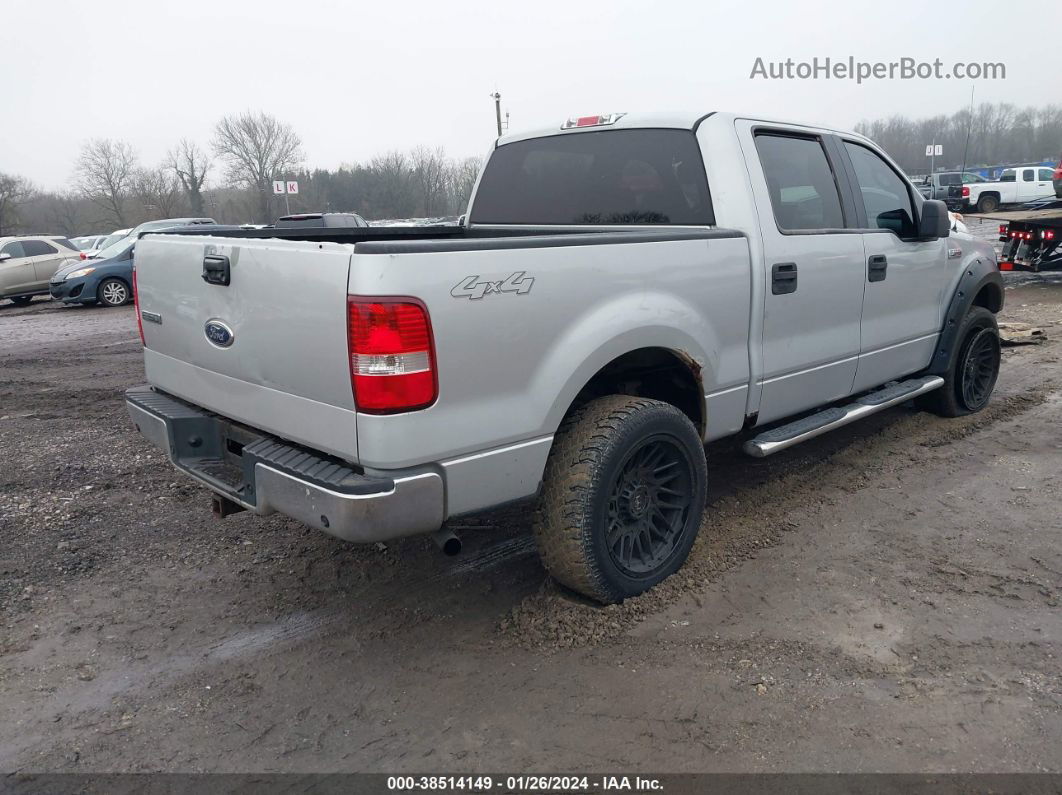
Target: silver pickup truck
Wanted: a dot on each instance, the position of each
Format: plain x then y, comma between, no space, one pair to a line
624,289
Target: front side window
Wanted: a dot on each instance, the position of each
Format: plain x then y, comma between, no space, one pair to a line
800,182
885,196
648,176
13,248
1046,174
38,248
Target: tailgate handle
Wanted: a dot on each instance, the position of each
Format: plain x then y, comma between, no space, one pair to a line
216,269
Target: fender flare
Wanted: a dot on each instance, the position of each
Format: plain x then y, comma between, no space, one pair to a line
976,275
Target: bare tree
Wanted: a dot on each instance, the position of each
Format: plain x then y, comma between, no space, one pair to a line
463,176
64,212
191,165
257,148
14,191
105,173
429,176
158,190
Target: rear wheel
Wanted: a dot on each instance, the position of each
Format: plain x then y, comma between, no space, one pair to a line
622,498
987,204
113,292
972,373
22,300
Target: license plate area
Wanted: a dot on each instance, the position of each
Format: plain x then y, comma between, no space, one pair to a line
211,449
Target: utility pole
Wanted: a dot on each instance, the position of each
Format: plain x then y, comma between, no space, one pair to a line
497,110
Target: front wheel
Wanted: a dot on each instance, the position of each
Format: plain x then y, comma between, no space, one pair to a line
623,495
972,373
113,292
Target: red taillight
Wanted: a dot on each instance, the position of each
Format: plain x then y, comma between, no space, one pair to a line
136,307
965,191
1049,234
83,255
1003,229
392,355
1006,266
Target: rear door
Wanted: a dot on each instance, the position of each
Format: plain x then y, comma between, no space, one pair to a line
45,258
814,270
905,278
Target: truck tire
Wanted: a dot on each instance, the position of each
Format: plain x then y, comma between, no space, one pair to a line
972,372
622,499
987,204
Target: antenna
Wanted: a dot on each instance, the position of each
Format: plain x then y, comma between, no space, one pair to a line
969,126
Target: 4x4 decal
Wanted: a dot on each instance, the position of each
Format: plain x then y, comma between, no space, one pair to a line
471,288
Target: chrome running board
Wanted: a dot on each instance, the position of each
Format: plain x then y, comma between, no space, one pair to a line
826,420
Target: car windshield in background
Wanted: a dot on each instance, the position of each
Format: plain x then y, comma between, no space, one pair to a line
602,177
117,248
83,243
110,240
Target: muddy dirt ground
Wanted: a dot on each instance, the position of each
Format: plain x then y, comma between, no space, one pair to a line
885,598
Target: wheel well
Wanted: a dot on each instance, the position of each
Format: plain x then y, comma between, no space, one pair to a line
656,373
990,297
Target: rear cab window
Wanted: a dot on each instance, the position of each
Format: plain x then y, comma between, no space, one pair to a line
638,176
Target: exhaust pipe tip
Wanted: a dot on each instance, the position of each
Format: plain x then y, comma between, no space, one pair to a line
447,541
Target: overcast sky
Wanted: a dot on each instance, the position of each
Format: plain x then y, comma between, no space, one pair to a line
359,78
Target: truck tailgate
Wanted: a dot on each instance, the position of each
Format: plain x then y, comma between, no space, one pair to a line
279,361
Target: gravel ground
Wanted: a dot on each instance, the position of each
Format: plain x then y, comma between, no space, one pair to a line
882,598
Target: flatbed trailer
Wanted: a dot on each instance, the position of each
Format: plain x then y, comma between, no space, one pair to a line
1032,241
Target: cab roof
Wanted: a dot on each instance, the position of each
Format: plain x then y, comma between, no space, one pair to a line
687,120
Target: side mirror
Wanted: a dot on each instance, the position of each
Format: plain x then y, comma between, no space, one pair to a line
934,222
4,257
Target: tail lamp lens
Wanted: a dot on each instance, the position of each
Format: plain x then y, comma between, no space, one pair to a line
136,308
392,355
965,191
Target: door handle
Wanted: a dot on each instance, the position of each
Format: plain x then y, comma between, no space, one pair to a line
216,269
783,278
877,267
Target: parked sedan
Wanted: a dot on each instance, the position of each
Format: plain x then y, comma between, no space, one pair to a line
106,279
28,262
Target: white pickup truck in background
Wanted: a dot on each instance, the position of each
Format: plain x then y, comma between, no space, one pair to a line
1014,186
626,289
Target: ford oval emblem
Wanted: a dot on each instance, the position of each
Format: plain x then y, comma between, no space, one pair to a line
218,333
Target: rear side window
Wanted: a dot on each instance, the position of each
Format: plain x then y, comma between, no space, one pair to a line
801,183
1045,174
604,177
13,248
38,248
885,196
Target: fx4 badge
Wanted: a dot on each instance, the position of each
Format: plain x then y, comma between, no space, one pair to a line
471,288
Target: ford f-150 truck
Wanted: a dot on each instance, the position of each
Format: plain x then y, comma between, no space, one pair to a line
624,289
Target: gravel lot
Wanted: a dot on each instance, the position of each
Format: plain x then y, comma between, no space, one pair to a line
885,598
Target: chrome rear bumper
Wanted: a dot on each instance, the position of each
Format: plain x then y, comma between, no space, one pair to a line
266,475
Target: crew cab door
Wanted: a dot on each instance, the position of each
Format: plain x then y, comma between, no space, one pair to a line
813,268
905,278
